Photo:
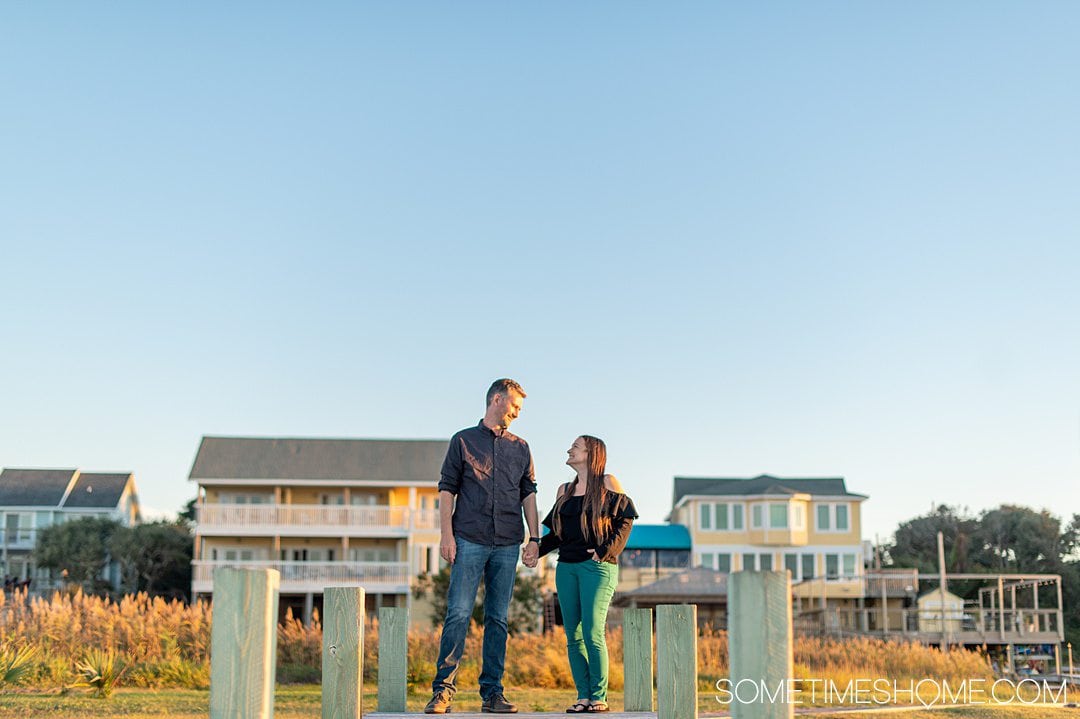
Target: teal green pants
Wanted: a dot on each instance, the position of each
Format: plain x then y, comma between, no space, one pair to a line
585,590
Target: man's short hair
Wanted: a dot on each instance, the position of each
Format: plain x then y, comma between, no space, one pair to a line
503,386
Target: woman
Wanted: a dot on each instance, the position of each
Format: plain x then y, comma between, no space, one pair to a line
589,525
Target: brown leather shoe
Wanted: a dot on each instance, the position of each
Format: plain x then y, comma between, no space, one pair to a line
440,702
497,704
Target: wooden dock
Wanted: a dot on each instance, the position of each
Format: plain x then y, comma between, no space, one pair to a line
519,715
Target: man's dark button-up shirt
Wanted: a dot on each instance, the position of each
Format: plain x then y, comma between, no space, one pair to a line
491,474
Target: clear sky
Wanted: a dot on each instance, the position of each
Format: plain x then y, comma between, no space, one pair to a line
803,239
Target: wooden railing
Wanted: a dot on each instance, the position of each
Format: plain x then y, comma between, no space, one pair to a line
311,576
989,622
895,583
312,518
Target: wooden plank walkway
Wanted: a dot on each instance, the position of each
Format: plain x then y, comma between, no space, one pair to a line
520,715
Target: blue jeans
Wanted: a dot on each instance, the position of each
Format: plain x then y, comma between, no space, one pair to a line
497,566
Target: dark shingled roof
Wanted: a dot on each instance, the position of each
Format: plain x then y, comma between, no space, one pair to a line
34,487
98,490
380,460
763,484
684,586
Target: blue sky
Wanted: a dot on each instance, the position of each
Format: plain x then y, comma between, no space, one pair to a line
827,239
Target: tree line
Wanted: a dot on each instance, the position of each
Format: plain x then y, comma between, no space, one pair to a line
153,557
1009,539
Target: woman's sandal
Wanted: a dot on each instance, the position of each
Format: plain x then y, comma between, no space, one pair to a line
577,708
597,707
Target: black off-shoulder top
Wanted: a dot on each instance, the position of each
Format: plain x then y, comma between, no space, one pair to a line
573,546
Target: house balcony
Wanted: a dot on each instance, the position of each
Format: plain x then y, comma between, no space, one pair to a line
23,542
304,577
892,583
932,626
313,520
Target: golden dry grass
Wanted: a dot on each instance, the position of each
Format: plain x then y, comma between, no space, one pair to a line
166,644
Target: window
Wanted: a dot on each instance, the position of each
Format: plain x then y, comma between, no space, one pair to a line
234,555
673,558
823,517
326,498
756,516
721,516
227,498
765,562
791,563
800,517
833,517
808,566
19,527
368,554
638,558
841,518
849,565
707,560
723,562
364,500
832,565
748,563
778,516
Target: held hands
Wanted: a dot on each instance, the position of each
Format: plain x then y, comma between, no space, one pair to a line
530,554
593,555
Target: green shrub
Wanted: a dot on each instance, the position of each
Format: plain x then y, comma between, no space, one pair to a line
16,663
100,670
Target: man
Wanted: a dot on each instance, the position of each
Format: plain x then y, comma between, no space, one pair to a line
490,474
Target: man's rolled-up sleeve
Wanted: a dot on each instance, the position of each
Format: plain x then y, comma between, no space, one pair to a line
450,478
528,478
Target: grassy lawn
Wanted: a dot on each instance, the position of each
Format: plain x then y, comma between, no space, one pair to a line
296,702
291,702
1000,712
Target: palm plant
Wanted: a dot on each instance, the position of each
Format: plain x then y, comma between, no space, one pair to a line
100,670
16,663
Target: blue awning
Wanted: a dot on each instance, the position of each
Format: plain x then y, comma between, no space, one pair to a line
659,536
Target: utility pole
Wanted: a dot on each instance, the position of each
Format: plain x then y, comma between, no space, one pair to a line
944,586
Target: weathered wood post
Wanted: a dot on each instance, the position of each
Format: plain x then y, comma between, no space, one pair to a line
343,652
243,643
393,661
637,660
760,646
676,661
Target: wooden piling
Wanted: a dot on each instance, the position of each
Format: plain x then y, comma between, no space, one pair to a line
760,646
637,660
393,662
676,661
343,652
243,643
